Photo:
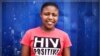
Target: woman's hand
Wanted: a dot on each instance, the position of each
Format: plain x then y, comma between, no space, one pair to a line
25,50
66,51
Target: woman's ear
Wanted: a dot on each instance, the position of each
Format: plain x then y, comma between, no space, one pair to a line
40,14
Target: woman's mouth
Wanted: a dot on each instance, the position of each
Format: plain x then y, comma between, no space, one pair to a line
50,23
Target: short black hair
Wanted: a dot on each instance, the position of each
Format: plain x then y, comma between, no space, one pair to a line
49,4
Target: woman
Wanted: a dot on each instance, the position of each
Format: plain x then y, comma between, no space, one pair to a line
46,40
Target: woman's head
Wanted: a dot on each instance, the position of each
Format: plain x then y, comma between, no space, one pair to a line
49,15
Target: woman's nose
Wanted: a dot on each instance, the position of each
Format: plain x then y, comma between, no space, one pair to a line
50,17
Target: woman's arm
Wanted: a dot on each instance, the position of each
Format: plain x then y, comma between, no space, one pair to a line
25,50
66,51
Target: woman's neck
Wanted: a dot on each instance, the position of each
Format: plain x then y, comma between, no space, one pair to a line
46,29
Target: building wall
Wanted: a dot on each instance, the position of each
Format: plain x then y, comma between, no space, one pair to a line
79,19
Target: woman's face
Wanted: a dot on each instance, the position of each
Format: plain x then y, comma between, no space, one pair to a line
49,17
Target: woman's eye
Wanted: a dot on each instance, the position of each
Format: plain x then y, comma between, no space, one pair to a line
46,14
54,15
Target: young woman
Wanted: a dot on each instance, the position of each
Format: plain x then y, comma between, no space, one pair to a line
46,40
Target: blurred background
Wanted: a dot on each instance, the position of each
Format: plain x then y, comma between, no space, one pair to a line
79,19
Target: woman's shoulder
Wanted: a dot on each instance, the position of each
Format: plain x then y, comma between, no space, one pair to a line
61,31
33,29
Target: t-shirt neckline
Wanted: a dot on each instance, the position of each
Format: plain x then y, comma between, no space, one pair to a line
47,32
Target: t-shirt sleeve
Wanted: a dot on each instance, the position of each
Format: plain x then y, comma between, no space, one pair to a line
26,39
67,41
